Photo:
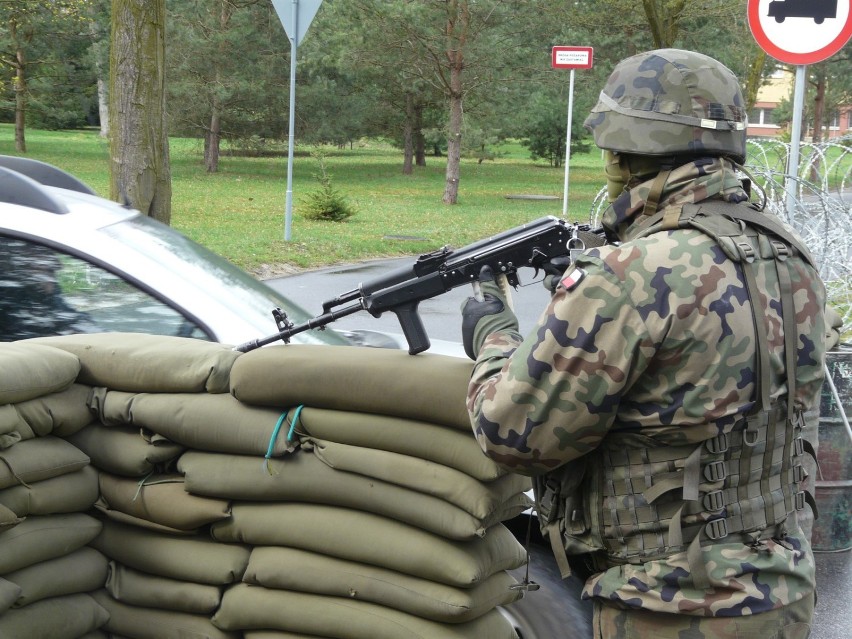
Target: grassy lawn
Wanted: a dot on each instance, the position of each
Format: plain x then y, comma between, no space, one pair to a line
239,212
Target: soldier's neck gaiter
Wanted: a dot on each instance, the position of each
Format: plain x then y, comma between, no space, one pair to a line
697,180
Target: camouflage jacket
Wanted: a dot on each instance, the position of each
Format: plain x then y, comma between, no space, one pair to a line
654,336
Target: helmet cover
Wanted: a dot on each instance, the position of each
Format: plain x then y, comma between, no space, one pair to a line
671,102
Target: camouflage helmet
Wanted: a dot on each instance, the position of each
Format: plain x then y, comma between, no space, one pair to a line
671,102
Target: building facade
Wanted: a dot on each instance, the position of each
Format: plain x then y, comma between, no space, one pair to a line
763,121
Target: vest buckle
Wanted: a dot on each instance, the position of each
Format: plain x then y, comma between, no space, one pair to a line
714,501
717,444
746,251
799,446
799,500
780,250
715,471
717,529
548,498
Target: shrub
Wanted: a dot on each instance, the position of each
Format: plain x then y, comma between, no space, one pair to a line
326,203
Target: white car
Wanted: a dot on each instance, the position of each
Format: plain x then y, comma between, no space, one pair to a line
73,262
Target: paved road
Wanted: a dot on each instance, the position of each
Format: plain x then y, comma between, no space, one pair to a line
442,319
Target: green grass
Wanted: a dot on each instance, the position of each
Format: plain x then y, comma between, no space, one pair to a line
239,212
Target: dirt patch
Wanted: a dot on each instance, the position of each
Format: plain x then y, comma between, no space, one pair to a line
269,271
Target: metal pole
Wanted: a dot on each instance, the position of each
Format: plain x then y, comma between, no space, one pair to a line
796,135
568,144
291,139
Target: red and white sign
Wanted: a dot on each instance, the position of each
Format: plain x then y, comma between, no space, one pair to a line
800,32
572,57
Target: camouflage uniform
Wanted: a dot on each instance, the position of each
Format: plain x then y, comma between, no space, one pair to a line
647,352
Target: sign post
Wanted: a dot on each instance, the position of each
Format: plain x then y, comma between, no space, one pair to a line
296,16
570,58
799,32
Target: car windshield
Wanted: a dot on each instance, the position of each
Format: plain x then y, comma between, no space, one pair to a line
206,270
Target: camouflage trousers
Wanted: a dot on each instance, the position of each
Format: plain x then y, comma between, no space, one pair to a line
789,622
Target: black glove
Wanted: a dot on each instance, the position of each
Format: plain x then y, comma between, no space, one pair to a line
481,318
553,272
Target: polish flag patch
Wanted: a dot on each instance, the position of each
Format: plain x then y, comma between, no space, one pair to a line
573,278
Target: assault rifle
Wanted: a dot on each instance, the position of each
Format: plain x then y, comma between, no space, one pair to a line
531,245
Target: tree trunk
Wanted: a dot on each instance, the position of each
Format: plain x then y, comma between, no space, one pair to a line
103,107
212,141
20,88
754,79
457,28
213,138
408,137
103,89
20,101
664,21
819,117
419,138
139,146
819,102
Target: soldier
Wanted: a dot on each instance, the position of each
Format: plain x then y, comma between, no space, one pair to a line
658,405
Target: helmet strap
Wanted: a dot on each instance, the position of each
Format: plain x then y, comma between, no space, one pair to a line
653,199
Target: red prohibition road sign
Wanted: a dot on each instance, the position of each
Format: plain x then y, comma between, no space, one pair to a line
571,57
800,32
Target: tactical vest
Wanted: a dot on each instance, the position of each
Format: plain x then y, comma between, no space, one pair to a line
633,500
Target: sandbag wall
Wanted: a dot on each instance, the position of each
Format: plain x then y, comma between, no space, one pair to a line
48,573
294,491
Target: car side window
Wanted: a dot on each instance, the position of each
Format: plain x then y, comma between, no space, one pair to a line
46,292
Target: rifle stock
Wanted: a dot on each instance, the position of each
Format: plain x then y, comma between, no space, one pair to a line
400,291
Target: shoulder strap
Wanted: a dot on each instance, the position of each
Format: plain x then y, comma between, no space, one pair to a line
750,215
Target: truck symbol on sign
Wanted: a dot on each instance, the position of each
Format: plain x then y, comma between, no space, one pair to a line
819,10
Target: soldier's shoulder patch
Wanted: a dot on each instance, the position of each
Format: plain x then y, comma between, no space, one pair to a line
573,278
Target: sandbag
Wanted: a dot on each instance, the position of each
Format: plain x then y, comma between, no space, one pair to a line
153,623
450,447
477,498
375,380
11,426
372,539
301,571
197,559
62,413
31,370
217,423
9,593
81,571
142,363
136,588
68,617
253,607
160,499
39,459
125,450
302,477
8,518
69,493
38,539
278,634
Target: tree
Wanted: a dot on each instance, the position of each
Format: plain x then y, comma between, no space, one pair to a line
227,75
545,128
31,35
453,47
139,146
